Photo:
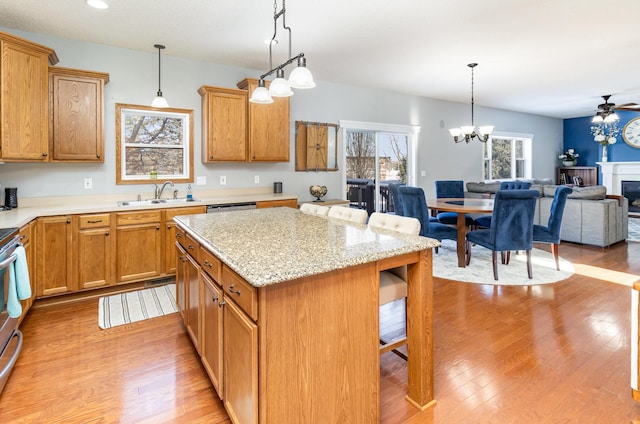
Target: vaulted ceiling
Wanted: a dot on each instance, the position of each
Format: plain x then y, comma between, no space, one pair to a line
547,57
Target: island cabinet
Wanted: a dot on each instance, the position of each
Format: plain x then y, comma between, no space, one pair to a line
211,333
170,231
268,127
55,255
96,251
139,245
24,93
76,130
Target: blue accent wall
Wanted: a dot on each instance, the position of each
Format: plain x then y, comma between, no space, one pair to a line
577,135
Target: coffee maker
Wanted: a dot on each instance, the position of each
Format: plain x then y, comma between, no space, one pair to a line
11,197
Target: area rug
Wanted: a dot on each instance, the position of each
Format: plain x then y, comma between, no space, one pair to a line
136,305
634,230
480,270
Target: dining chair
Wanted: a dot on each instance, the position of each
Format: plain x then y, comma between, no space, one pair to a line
511,227
414,204
551,233
451,189
313,209
358,216
393,282
484,221
395,198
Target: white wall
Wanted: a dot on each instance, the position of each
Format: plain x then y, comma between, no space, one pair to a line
134,79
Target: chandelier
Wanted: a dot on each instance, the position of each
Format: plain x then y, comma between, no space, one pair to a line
300,77
468,132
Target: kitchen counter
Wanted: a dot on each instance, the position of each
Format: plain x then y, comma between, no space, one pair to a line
31,208
285,244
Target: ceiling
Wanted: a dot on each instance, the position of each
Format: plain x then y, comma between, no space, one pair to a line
546,57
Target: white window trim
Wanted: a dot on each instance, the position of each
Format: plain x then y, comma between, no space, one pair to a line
527,149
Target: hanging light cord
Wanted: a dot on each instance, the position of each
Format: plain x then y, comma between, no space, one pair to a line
472,65
159,47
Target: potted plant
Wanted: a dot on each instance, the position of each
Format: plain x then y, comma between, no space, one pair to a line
569,158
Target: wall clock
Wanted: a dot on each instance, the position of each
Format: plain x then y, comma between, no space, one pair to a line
631,132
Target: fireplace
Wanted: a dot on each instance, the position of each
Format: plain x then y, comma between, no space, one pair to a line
631,190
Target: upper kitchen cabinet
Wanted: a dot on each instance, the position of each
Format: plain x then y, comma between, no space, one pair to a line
76,128
24,88
224,124
268,127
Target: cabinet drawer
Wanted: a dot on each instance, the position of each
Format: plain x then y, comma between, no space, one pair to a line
94,221
210,264
190,245
189,210
242,293
138,217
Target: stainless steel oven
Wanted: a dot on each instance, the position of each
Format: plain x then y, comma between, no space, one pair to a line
10,336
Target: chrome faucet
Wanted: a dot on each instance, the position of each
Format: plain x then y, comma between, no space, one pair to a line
158,191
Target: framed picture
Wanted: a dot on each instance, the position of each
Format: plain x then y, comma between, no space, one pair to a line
153,145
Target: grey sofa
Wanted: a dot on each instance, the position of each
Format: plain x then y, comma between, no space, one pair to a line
590,215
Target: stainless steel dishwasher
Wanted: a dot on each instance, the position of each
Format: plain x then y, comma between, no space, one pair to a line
227,207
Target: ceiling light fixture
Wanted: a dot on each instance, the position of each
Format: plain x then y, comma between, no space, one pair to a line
300,77
468,132
98,4
606,112
159,101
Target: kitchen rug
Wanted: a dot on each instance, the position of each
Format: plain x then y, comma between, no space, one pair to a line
125,308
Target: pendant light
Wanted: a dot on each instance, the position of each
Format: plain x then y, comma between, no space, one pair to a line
468,132
159,101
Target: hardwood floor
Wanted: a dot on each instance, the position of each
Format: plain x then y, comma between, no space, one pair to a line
554,353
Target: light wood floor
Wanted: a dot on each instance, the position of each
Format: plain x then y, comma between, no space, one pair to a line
556,353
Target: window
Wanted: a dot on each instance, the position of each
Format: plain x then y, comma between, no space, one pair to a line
374,156
507,156
153,145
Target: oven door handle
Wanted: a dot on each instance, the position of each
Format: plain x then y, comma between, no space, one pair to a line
7,369
4,264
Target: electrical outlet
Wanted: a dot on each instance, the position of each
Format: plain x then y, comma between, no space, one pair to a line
88,183
423,173
256,179
223,180
201,180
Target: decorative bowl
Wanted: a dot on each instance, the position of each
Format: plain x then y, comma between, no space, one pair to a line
318,191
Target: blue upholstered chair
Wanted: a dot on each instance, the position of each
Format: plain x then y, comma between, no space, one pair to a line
395,198
511,226
551,233
485,220
414,204
451,189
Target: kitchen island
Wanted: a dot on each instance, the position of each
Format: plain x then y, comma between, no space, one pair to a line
291,303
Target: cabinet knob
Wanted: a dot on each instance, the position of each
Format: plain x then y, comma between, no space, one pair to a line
158,228
222,302
44,155
68,220
232,290
106,233
98,156
178,235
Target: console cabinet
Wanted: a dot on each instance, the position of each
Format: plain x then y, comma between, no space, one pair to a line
588,174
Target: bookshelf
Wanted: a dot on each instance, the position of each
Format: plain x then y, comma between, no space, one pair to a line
589,174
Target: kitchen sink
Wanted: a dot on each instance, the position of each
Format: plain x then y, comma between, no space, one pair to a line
153,202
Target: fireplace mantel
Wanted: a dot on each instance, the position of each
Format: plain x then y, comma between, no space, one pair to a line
613,173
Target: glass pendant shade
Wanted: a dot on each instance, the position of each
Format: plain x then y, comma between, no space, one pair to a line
159,101
613,117
467,129
301,77
485,130
597,119
98,4
279,87
261,94
455,132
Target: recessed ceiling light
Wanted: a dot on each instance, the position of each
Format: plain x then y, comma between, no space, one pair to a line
98,4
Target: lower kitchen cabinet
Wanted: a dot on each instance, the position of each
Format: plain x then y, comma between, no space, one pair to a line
96,250
170,232
290,203
211,333
26,236
192,275
139,245
181,281
55,255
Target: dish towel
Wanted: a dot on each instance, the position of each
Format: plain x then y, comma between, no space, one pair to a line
19,283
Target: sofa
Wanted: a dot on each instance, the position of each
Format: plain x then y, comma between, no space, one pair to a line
590,215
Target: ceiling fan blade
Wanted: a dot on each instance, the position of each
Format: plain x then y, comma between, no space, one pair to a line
629,106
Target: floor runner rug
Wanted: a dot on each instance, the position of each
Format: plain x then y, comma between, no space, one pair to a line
125,308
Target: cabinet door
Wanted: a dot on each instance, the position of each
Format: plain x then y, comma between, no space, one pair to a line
26,234
170,234
192,273
23,103
240,365
77,117
181,281
290,203
54,256
139,252
211,340
95,258
224,124
268,127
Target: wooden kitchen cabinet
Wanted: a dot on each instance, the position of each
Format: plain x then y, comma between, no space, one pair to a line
170,234
24,93
96,250
55,255
290,203
224,124
192,279
138,245
211,340
181,280
268,127
76,130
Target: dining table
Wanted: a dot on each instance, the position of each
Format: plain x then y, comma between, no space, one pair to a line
462,206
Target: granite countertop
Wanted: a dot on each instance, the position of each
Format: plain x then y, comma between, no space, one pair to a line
267,246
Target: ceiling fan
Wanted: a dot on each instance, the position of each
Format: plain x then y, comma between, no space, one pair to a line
608,109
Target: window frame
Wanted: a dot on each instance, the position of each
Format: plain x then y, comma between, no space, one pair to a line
527,156
187,144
